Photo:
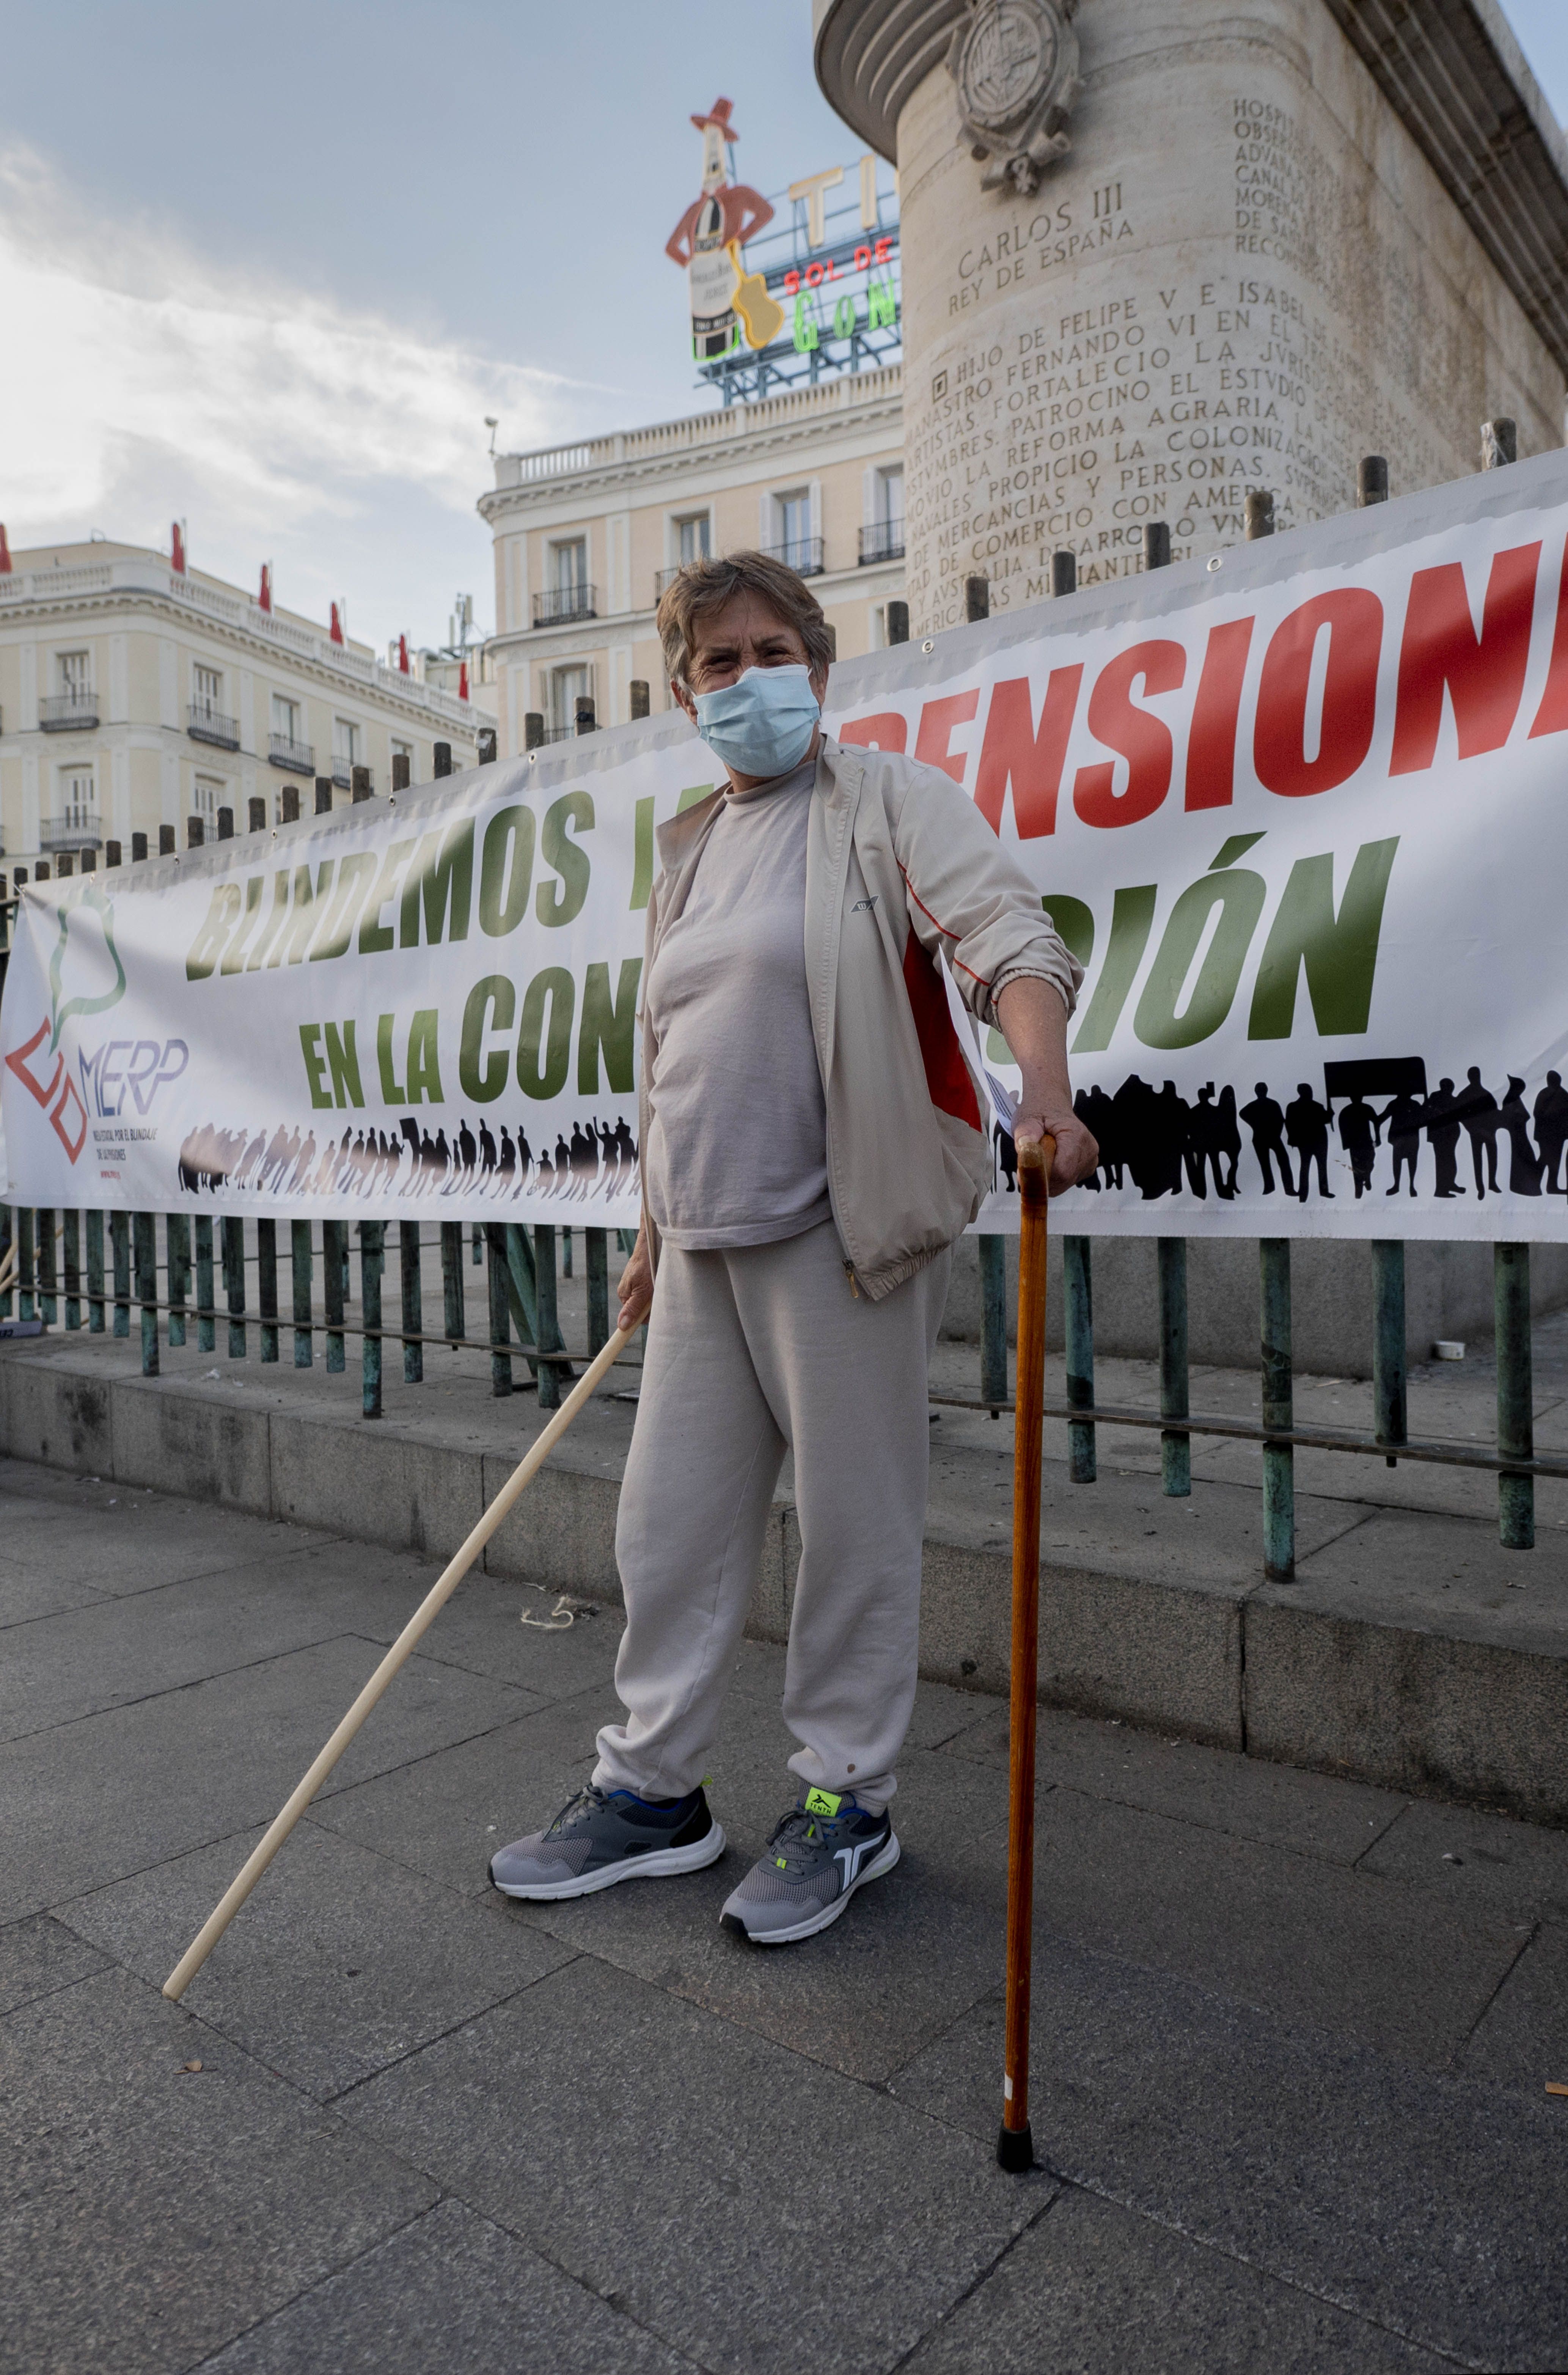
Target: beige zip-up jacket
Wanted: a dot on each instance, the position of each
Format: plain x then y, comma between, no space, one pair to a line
901,870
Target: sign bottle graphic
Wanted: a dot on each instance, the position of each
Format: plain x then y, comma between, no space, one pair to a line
718,222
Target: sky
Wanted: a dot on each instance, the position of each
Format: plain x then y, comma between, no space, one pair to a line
267,271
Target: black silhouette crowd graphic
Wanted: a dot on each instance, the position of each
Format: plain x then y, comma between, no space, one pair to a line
596,1160
1161,1142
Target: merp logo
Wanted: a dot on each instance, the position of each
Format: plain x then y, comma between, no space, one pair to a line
134,1068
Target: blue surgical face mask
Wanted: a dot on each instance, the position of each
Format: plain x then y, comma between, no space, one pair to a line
762,723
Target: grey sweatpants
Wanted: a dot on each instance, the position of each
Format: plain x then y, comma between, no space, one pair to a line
753,1351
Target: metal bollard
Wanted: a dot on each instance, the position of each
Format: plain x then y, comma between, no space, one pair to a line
177,1238
48,1307
1389,1421
413,1301
373,1262
1175,1444
993,1320
145,1231
235,1284
1259,513
25,1300
267,1286
1064,572
1515,1396
452,1276
120,1242
977,599
206,1320
1078,1283
898,622
596,1249
548,1339
501,1314
1279,1409
94,1233
302,1266
566,1253
334,1271
638,689
71,1240
1156,544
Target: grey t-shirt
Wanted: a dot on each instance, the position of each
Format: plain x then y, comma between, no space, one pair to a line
737,1135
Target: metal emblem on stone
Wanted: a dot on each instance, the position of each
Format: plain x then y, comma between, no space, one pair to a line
1015,63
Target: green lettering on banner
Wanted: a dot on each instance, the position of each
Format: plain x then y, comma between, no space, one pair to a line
553,906
353,882
275,915
1075,924
424,1070
316,1065
219,923
373,934
1132,913
1239,896
303,918
484,1080
610,1025
234,954
1339,952
690,798
543,1041
391,1087
344,1062
506,872
643,867
442,880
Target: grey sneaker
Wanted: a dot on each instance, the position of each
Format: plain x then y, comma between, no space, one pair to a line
824,1850
606,1835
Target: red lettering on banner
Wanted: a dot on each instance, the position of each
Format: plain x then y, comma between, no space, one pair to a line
1013,753
1353,620
1212,744
1484,674
1551,717
1143,740
947,1075
885,731
932,744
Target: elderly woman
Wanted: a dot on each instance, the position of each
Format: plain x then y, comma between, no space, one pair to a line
812,1143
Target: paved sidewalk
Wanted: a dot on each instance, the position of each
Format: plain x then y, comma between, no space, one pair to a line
1292,2034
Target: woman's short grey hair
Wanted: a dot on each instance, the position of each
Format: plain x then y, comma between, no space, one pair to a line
703,585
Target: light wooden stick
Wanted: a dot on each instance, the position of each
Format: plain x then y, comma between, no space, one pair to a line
1015,2146
217,1921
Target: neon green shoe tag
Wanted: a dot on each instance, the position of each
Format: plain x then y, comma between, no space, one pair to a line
783,1863
822,1801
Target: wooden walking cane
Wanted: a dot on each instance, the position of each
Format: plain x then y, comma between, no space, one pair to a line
424,1616
1015,2146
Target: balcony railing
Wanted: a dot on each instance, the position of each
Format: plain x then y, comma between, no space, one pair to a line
803,555
343,774
209,725
77,829
884,541
294,758
58,713
558,604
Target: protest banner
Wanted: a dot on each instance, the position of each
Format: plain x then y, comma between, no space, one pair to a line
1300,812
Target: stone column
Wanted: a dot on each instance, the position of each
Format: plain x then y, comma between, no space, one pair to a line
1155,253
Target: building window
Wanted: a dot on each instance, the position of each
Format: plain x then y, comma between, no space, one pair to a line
694,538
794,543
882,537
75,673
568,687
345,751
889,496
571,564
207,798
74,703
285,717
206,689
74,824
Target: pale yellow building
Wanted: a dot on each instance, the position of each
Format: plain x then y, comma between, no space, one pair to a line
135,694
586,535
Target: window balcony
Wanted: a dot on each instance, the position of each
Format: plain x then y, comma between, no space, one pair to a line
62,713
208,725
77,829
804,555
559,604
294,758
343,774
663,580
882,542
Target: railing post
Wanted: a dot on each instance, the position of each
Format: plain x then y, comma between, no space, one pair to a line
95,1273
452,1276
144,1226
177,1238
303,1267
234,1280
6,1240
267,1286
71,1223
1175,1445
1279,1409
478,1244
1515,1396
993,1320
333,1264
1390,1421
1077,1283
596,1247
372,1259
207,1311
49,1309
500,1311
27,1308
120,1240
545,1305
413,1301
566,1253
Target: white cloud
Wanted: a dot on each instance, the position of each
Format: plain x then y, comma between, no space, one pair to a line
140,383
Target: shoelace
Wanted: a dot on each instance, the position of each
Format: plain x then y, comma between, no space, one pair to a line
796,1829
587,1801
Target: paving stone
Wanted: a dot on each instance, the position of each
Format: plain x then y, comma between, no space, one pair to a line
482,1627
1096,2289
1434,2206
90,1802
1522,2037
148,2215
37,1956
129,1539
454,2291
32,1586
1245,1796
757,2211
1489,1864
340,1964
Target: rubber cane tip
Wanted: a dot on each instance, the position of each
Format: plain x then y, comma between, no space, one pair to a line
1015,2149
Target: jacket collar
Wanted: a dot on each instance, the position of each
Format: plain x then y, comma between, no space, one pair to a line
838,767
